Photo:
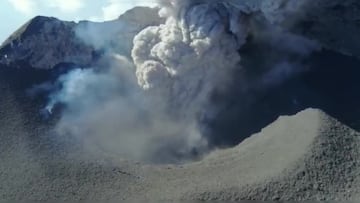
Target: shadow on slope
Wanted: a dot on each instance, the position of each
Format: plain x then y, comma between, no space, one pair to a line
330,83
20,113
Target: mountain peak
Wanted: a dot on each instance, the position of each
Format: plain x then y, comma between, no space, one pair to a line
44,42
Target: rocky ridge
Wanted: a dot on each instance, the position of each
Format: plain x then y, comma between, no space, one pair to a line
333,24
45,42
308,156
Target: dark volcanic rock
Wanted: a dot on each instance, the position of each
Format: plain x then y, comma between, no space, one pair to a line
45,42
309,156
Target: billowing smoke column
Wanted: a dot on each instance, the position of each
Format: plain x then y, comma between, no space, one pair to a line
148,108
192,54
168,101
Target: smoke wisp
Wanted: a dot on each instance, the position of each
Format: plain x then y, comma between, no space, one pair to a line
191,55
150,106
108,113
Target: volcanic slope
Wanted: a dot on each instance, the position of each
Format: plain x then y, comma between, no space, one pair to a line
308,156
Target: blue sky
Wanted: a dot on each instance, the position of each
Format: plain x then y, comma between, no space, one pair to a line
14,13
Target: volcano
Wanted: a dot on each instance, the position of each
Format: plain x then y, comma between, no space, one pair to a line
192,100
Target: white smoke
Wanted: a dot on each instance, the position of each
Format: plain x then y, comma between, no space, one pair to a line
108,113
148,108
192,54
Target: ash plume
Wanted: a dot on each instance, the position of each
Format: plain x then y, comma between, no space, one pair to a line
192,54
150,106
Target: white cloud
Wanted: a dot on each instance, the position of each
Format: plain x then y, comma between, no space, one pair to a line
30,7
68,6
26,7
114,8
78,9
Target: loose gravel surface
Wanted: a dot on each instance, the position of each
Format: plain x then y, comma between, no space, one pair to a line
308,156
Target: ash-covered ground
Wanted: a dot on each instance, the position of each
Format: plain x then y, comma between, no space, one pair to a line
212,101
